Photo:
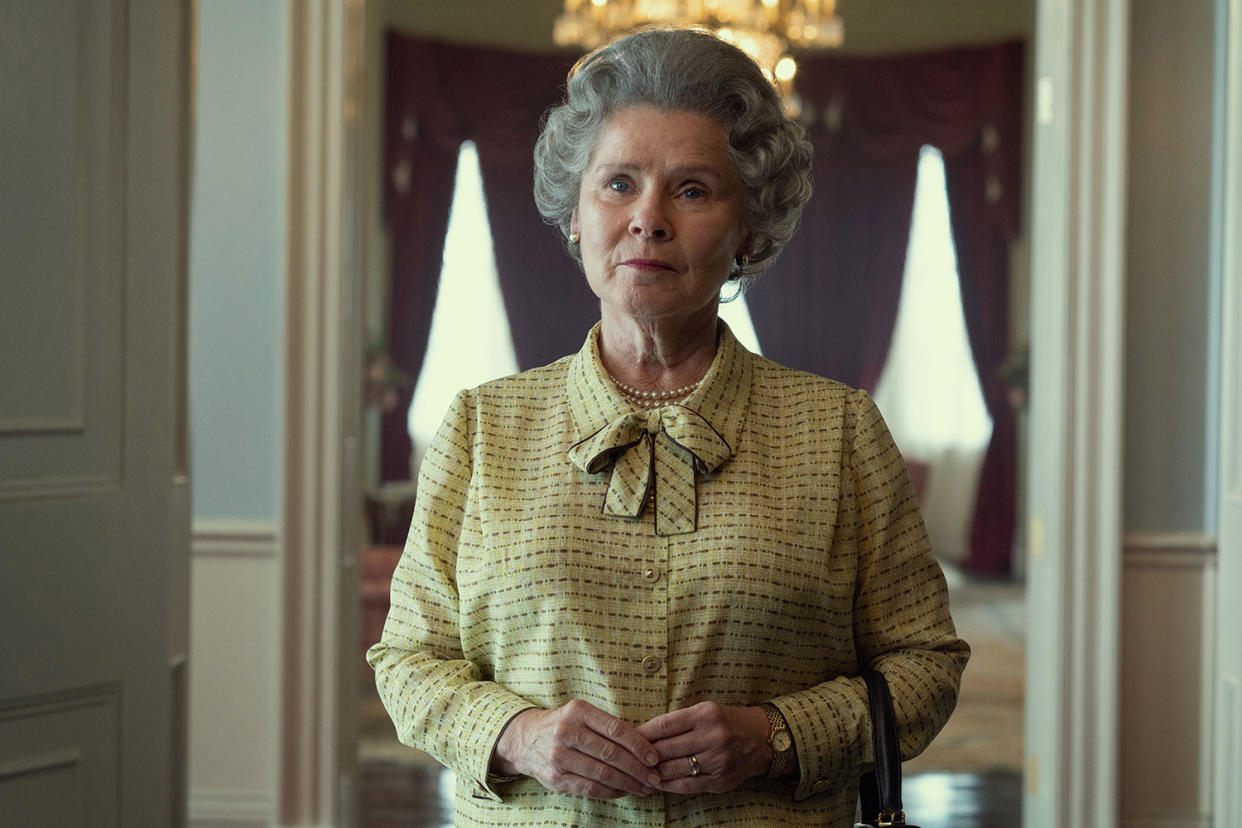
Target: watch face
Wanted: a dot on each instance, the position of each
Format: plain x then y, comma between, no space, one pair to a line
781,741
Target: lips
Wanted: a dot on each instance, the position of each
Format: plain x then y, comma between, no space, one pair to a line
648,264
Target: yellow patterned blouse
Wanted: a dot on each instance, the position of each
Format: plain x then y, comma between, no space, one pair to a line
777,547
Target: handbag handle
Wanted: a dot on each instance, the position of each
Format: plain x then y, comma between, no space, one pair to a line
880,790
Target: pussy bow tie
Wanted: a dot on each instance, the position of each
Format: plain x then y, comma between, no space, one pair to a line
664,448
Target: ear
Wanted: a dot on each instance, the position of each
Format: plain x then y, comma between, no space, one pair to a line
573,222
748,244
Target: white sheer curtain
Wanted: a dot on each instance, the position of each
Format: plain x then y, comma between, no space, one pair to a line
470,341
928,392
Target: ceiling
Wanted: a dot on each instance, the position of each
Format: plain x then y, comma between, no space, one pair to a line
871,26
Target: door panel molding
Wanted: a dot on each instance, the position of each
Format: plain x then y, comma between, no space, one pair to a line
62,331
57,757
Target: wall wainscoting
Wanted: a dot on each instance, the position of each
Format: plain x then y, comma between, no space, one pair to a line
235,538
235,612
1167,658
1172,819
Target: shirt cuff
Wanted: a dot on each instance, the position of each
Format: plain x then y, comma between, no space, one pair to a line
479,736
824,723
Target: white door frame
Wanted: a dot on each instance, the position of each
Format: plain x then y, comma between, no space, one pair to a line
323,411
1227,708
1077,276
1077,300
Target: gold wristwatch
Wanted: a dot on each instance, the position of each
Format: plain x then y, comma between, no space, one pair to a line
779,741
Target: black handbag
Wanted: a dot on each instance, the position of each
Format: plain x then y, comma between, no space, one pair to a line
879,792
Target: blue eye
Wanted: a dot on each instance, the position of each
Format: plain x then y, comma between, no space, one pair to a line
617,185
693,193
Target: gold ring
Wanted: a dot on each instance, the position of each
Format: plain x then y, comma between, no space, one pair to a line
694,766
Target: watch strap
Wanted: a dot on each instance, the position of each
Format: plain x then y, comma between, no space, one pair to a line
780,758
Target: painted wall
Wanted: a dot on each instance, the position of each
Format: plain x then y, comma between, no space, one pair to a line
1168,585
1171,83
237,278
237,258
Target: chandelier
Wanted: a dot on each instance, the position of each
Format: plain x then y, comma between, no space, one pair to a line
763,29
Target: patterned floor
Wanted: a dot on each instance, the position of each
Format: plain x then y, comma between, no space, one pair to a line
984,734
420,796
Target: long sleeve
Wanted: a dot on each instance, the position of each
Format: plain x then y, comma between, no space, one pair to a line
439,701
901,622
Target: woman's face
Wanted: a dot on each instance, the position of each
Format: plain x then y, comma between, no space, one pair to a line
659,214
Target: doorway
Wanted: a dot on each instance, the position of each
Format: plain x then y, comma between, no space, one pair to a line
1063,589
972,773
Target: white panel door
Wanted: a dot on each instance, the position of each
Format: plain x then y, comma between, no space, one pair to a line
94,506
1227,807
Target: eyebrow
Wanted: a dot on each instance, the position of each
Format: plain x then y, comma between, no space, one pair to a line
691,170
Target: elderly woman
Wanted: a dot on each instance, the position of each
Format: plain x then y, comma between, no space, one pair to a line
641,581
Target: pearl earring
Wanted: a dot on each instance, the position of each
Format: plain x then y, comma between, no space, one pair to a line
575,237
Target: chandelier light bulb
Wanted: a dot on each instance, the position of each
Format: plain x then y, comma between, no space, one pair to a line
764,29
786,68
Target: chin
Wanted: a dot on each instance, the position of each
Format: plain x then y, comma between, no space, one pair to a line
663,310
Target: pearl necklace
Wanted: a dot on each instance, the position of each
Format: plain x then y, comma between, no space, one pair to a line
654,399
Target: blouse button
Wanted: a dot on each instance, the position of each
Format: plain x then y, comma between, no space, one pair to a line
651,664
651,574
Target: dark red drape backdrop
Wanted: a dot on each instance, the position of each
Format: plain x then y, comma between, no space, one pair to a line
809,311
829,304
439,95
983,184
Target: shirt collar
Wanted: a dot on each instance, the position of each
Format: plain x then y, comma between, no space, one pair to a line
721,398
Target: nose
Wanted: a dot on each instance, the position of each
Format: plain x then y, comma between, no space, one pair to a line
650,218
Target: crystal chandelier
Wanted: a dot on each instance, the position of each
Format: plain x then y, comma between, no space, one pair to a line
763,29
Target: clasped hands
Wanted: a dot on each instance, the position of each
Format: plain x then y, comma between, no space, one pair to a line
579,749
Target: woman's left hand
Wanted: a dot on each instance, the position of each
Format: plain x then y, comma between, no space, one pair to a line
709,748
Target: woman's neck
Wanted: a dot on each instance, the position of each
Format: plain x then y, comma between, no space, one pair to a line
659,354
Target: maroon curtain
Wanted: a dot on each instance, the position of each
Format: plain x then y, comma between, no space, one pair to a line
830,303
982,183
439,95
420,165
547,300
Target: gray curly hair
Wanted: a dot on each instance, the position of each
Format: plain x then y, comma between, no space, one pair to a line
684,70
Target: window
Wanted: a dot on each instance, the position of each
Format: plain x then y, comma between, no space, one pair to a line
929,392
470,341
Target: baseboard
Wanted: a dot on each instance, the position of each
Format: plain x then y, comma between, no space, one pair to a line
1167,819
232,808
